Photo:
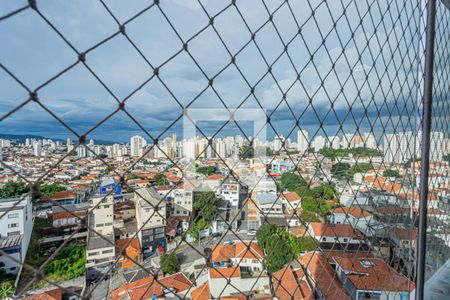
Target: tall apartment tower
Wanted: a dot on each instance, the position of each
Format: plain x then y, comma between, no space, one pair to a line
302,141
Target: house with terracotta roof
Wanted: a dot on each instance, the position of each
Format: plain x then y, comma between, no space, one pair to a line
360,219
335,236
224,282
201,293
291,284
291,200
322,278
130,251
70,214
173,286
248,256
371,278
55,294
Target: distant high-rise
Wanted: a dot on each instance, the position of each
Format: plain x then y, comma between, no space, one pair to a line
137,144
370,140
334,142
402,146
302,141
37,148
319,142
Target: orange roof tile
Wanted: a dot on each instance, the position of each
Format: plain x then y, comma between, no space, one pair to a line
291,196
377,275
323,276
336,230
225,273
201,293
55,294
354,211
222,253
288,286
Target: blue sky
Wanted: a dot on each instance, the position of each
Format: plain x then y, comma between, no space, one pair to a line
33,52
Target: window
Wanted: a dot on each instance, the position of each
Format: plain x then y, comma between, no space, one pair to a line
13,233
107,251
345,240
324,239
13,225
13,215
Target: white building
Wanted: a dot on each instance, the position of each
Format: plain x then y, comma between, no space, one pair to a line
137,145
319,142
16,227
302,141
402,146
100,250
230,191
37,149
151,220
334,142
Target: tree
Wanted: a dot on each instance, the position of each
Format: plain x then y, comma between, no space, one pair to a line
264,233
307,244
161,179
205,203
51,189
290,181
278,253
206,170
279,246
391,173
359,168
169,263
6,289
68,264
14,189
246,152
340,170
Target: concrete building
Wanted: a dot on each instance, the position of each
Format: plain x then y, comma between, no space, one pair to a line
318,142
16,227
151,221
302,141
100,250
137,145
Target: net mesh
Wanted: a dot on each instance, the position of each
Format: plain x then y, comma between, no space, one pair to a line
296,175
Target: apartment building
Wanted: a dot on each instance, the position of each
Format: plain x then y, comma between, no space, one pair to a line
151,221
230,190
16,226
100,251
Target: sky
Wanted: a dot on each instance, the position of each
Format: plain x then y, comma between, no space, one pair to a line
372,71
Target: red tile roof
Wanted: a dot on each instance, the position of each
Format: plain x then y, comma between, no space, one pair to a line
225,273
201,293
354,211
336,230
64,195
323,276
145,288
291,196
288,287
376,275
55,294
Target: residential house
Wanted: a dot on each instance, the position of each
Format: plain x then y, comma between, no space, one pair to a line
129,251
248,256
175,286
371,278
292,284
322,277
70,214
336,236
